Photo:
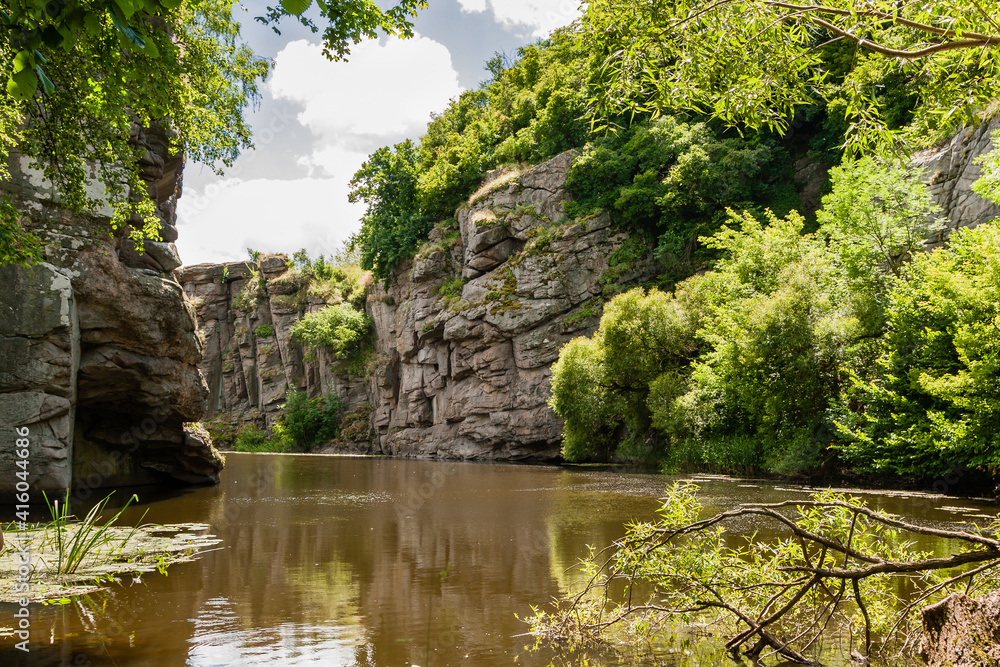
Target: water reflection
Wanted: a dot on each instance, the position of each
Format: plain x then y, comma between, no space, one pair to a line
371,562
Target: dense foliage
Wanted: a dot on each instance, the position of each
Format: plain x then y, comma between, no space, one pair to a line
393,224
311,421
934,404
340,328
674,180
78,78
754,63
747,365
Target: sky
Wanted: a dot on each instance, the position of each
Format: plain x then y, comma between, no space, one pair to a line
318,121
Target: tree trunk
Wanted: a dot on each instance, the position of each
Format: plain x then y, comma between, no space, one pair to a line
961,631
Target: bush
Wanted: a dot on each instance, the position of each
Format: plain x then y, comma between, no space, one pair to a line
746,365
531,110
340,328
600,385
935,404
223,433
264,331
357,424
672,180
254,439
311,422
252,294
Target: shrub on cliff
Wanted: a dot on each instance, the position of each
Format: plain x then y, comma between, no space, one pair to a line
335,279
340,328
674,180
530,110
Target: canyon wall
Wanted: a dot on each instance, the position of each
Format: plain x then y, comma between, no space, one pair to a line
464,337
466,332
98,347
245,314
950,170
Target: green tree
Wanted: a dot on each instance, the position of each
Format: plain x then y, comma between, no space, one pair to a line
311,421
935,403
530,110
346,21
393,225
754,62
79,76
674,180
747,363
339,328
601,385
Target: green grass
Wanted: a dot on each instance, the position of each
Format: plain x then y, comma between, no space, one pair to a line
77,540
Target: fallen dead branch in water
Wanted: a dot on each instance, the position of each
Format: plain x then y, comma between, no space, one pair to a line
842,571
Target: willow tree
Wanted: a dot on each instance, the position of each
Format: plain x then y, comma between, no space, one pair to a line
752,63
78,76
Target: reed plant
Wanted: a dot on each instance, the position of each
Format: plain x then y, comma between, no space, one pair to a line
77,540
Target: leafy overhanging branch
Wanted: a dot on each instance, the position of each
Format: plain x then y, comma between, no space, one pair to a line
752,63
841,568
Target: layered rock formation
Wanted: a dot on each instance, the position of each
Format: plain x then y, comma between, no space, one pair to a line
951,169
245,315
468,330
464,337
98,347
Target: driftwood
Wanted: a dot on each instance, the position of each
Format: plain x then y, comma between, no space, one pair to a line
788,611
961,631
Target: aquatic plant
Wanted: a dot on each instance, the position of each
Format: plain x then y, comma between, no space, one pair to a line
77,540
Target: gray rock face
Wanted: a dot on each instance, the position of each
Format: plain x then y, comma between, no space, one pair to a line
950,171
250,358
98,348
468,377
466,334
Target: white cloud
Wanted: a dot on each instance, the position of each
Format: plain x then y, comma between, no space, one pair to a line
540,17
385,92
219,222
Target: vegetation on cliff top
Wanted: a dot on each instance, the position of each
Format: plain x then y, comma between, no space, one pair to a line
778,356
866,77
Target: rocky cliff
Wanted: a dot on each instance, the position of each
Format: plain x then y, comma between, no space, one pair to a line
245,313
464,337
467,332
950,170
98,347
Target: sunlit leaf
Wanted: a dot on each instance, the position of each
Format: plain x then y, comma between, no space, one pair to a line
296,7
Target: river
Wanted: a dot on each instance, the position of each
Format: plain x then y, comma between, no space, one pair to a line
377,562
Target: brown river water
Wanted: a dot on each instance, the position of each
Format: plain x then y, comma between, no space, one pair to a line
374,562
